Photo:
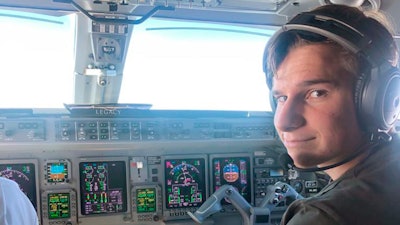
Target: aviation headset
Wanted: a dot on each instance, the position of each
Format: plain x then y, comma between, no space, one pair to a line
377,90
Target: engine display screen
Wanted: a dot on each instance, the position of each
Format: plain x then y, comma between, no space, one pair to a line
103,187
57,172
59,205
234,171
184,182
146,200
24,175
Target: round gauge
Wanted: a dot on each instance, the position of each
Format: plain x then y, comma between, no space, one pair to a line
298,186
231,172
184,173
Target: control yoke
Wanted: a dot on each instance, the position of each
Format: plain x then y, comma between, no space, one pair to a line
276,194
213,204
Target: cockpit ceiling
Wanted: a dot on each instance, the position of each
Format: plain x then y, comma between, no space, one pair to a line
129,6
263,12
251,12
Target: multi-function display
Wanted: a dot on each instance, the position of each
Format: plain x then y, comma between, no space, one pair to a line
57,172
146,200
24,175
103,187
234,171
184,182
59,205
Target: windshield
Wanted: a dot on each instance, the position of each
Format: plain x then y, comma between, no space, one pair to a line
36,59
170,64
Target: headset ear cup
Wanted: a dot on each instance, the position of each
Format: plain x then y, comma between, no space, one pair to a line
378,99
391,101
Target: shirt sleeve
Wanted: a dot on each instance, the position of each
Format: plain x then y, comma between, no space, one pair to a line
15,207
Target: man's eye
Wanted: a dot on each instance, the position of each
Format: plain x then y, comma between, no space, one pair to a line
281,98
317,93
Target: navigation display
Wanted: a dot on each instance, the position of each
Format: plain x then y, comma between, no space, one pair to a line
103,187
24,175
184,182
234,171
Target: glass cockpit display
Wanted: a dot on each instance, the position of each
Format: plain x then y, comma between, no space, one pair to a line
146,200
24,175
59,205
184,182
57,171
103,187
234,171
146,203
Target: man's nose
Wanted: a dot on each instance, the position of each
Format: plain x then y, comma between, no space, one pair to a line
289,115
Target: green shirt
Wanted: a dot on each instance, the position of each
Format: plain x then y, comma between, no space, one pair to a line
368,194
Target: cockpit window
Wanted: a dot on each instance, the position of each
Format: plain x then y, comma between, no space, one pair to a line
170,64
187,65
36,59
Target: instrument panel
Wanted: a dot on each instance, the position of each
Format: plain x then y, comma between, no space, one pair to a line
147,169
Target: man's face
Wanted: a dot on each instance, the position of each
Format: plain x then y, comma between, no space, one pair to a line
315,116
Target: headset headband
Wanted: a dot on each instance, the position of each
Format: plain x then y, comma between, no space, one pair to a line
355,40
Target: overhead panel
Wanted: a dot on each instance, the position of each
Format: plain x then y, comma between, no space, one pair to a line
128,6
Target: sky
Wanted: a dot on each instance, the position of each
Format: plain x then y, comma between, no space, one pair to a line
171,65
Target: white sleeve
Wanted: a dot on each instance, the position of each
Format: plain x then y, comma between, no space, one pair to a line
15,207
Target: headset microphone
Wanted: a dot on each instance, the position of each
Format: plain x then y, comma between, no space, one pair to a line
287,162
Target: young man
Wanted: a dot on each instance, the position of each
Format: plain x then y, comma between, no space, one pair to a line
15,207
336,92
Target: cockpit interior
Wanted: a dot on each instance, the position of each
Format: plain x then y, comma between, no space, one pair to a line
125,112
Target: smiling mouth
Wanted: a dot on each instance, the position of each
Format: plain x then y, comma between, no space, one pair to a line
296,142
